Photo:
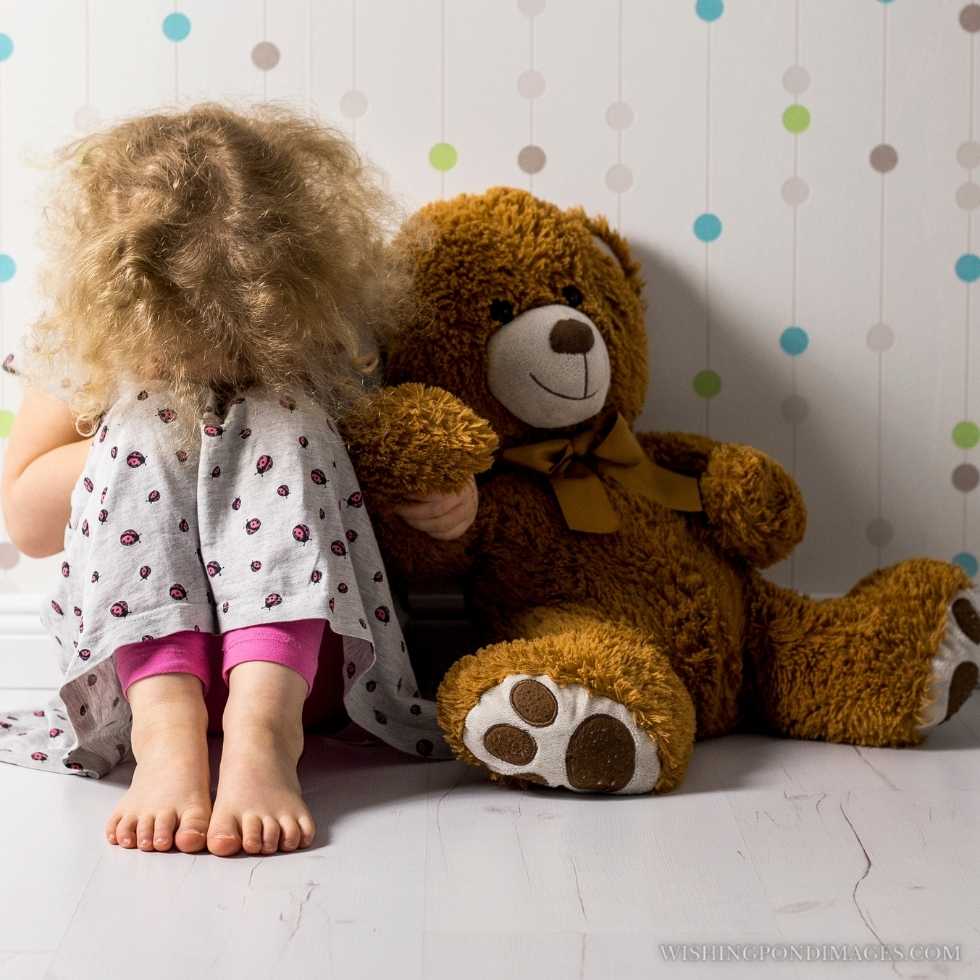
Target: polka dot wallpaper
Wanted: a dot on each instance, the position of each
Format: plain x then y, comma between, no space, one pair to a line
798,178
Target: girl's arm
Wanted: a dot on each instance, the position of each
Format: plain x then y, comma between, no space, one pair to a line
44,460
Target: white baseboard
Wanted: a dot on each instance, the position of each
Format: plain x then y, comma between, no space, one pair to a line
27,656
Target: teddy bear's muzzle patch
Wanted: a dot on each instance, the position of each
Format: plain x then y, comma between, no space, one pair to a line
531,728
549,367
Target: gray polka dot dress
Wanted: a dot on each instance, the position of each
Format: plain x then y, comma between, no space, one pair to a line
255,518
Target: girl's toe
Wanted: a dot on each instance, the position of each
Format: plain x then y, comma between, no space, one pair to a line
144,831
270,835
252,833
290,838
307,830
163,830
224,836
126,831
192,830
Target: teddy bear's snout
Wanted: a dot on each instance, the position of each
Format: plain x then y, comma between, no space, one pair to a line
571,337
549,366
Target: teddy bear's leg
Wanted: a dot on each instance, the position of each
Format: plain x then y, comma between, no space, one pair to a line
577,702
882,665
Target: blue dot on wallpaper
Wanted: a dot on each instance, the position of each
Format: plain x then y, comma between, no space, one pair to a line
967,562
794,340
176,26
707,227
6,47
710,10
8,267
968,267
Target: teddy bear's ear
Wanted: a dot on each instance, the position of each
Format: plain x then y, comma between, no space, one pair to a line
613,246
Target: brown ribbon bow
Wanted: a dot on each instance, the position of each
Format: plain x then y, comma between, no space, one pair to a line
575,465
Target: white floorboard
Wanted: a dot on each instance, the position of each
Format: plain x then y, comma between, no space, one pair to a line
426,871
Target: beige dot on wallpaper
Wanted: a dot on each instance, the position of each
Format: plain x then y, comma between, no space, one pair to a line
970,18
531,159
796,80
265,55
795,409
530,8
968,196
353,104
619,115
884,158
9,555
795,191
619,178
87,118
968,154
530,84
881,338
966,477
880,532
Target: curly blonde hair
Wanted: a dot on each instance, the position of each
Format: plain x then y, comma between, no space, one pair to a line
215,249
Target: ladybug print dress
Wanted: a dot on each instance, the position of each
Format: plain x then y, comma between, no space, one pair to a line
255,518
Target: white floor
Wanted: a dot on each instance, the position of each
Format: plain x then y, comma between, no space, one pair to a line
426,871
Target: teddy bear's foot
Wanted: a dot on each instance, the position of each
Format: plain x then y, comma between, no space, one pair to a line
533,729
956,667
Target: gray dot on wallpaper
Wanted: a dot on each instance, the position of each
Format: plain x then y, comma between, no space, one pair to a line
795,409
968,196
795,191
530,84
966,477
880,532
353,104
619,178
968,155
970,18
796,80
619,115
881,337
884,158
530,8
531,159
265,55
87,118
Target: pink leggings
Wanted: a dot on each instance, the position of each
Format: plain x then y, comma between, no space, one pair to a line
303,646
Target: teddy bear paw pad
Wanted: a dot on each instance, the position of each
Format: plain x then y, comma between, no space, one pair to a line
956,667
536,730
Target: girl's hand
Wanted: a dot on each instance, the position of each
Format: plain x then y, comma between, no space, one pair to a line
443,516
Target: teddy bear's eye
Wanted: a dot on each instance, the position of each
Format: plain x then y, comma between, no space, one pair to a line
502,310
572,296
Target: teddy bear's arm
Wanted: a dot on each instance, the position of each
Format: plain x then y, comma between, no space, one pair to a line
412,440
752,505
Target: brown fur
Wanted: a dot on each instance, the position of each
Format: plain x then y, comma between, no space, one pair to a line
669,613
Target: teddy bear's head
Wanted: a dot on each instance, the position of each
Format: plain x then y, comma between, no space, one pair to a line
530,314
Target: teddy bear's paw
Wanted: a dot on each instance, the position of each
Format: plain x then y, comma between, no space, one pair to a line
956,667
533,729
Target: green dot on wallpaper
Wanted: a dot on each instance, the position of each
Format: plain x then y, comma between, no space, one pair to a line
443,156
797,118
6,422
707,383
966,434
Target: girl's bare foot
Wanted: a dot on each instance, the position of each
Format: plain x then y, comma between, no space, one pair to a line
169,800
259,807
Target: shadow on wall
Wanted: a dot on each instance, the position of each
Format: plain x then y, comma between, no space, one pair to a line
752,410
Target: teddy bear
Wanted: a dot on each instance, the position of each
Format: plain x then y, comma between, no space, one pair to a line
616,575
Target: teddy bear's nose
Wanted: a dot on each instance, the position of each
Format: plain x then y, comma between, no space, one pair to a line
571,337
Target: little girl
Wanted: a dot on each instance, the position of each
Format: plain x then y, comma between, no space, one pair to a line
216,278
